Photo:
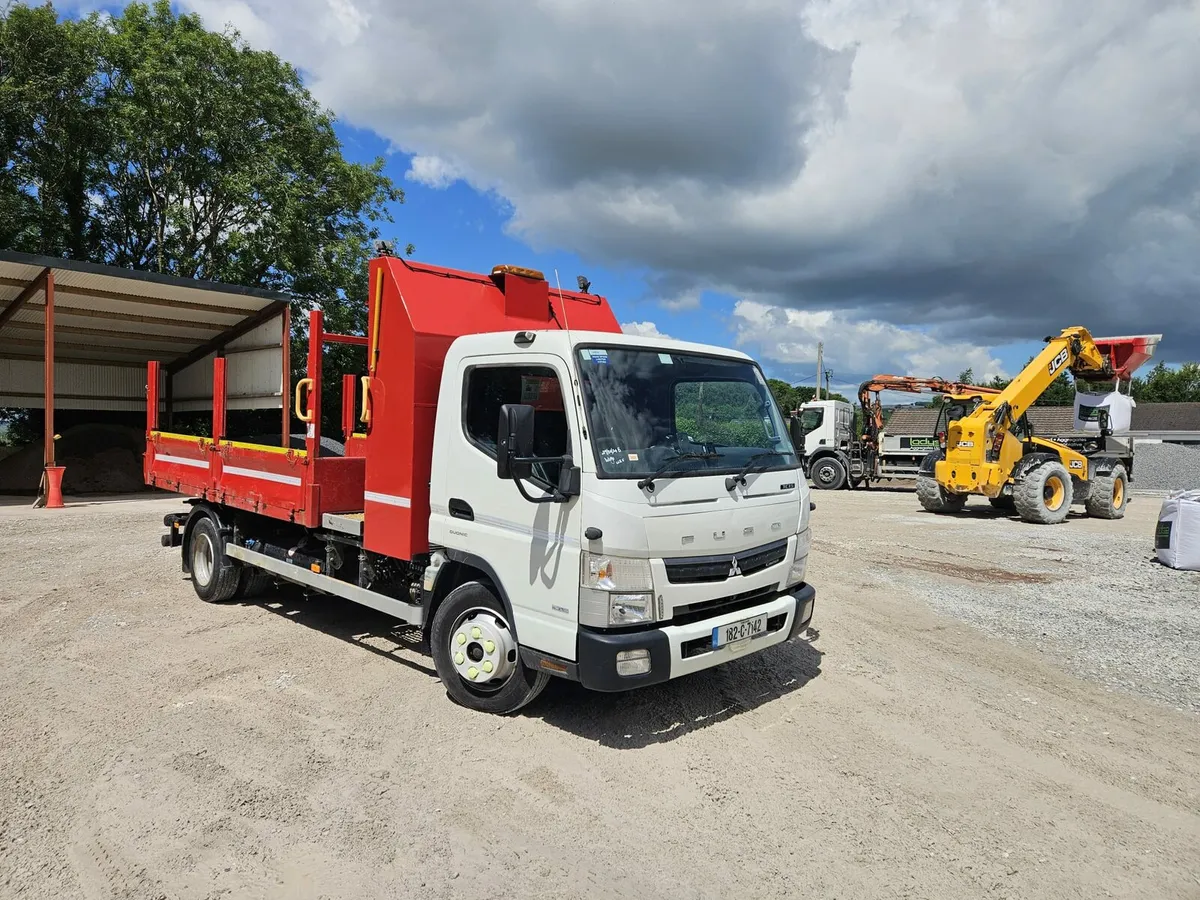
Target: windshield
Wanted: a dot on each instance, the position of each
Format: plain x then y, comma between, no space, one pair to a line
810,420
644,408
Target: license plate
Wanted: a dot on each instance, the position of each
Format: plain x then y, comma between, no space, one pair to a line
739,631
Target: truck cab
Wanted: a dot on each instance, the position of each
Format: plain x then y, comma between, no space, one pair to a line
651,521
827,430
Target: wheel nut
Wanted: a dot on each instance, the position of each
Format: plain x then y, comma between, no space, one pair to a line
487,666
472,673
462,638
489,646
476,633
459,659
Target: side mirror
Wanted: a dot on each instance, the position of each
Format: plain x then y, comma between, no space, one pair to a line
569,480
514,441
796,433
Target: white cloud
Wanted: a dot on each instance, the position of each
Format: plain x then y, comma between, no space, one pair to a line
643,329
854,347
432,171
993,171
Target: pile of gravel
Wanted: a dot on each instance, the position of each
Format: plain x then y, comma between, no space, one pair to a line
1166,467
99,459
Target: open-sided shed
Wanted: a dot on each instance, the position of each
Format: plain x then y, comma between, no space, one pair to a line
77,335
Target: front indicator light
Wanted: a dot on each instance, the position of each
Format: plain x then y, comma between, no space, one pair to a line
633,662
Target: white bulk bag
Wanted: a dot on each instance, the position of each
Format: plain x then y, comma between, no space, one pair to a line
1088,406
1177,537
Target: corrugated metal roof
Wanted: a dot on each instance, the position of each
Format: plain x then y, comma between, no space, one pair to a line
110,321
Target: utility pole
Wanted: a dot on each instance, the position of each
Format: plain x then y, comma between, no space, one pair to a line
828,375
820,366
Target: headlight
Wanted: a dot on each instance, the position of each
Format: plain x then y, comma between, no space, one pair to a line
800,560
615,590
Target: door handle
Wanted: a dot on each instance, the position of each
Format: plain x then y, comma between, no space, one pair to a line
461,509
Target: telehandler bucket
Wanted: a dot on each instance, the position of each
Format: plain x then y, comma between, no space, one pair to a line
1128,353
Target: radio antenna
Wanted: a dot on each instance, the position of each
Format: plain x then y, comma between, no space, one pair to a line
563,301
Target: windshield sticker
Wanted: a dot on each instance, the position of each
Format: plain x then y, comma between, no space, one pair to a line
531,389
665,359
611,456
600,357
633,457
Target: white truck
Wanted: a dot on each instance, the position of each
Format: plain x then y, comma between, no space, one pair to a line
834,458
539,493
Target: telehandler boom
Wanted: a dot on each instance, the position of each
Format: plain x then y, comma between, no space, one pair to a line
990,449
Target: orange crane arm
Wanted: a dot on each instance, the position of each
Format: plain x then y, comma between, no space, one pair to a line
873,411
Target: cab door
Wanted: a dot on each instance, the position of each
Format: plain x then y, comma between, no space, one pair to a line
531,549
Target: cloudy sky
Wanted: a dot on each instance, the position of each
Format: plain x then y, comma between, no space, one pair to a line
923,185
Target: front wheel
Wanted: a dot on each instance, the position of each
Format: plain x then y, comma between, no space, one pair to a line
828,474
476,654
1043,494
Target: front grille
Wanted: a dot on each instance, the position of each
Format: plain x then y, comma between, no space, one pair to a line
709,569
687,613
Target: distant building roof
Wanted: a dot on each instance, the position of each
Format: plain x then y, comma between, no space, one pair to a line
1048,421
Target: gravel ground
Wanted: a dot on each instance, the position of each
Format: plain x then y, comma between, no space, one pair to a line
1166,467
932,742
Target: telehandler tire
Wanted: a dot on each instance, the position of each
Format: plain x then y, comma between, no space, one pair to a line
935,498
1109,494
1042,495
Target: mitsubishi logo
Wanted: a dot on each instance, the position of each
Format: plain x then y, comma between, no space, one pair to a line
734,569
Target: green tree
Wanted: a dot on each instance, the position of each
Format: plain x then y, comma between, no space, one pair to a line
146,141
1163,384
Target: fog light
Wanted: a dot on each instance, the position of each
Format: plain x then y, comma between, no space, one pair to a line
633,662
808,611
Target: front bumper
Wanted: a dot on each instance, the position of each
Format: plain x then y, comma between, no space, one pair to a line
677,650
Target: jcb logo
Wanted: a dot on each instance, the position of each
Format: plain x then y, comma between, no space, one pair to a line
1057,362
1077,464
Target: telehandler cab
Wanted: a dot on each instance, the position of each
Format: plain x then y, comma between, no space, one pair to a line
988,447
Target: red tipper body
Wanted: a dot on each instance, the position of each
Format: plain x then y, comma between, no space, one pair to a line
414,313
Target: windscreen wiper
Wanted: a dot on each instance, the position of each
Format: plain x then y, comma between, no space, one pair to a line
648,481
740,478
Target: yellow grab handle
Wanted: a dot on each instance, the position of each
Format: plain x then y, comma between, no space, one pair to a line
301,414
365,415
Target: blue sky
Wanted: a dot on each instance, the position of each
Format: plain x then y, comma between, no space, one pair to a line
923,185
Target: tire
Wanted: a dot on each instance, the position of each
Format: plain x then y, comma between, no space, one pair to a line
214,575
1043,494
828,474
934,498
468,621
1109,494
254,582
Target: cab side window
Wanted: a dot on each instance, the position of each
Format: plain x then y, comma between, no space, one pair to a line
487,388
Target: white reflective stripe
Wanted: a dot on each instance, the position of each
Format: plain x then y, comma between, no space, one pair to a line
265,476
389,499
525,530
181,461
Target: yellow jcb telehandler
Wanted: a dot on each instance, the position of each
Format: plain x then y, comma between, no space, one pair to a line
988,447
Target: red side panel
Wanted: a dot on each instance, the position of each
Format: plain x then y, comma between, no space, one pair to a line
422,309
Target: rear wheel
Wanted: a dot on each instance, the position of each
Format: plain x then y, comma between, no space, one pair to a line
254,582
1109,494
828,474
1043,494
476,654
214,575
936,498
